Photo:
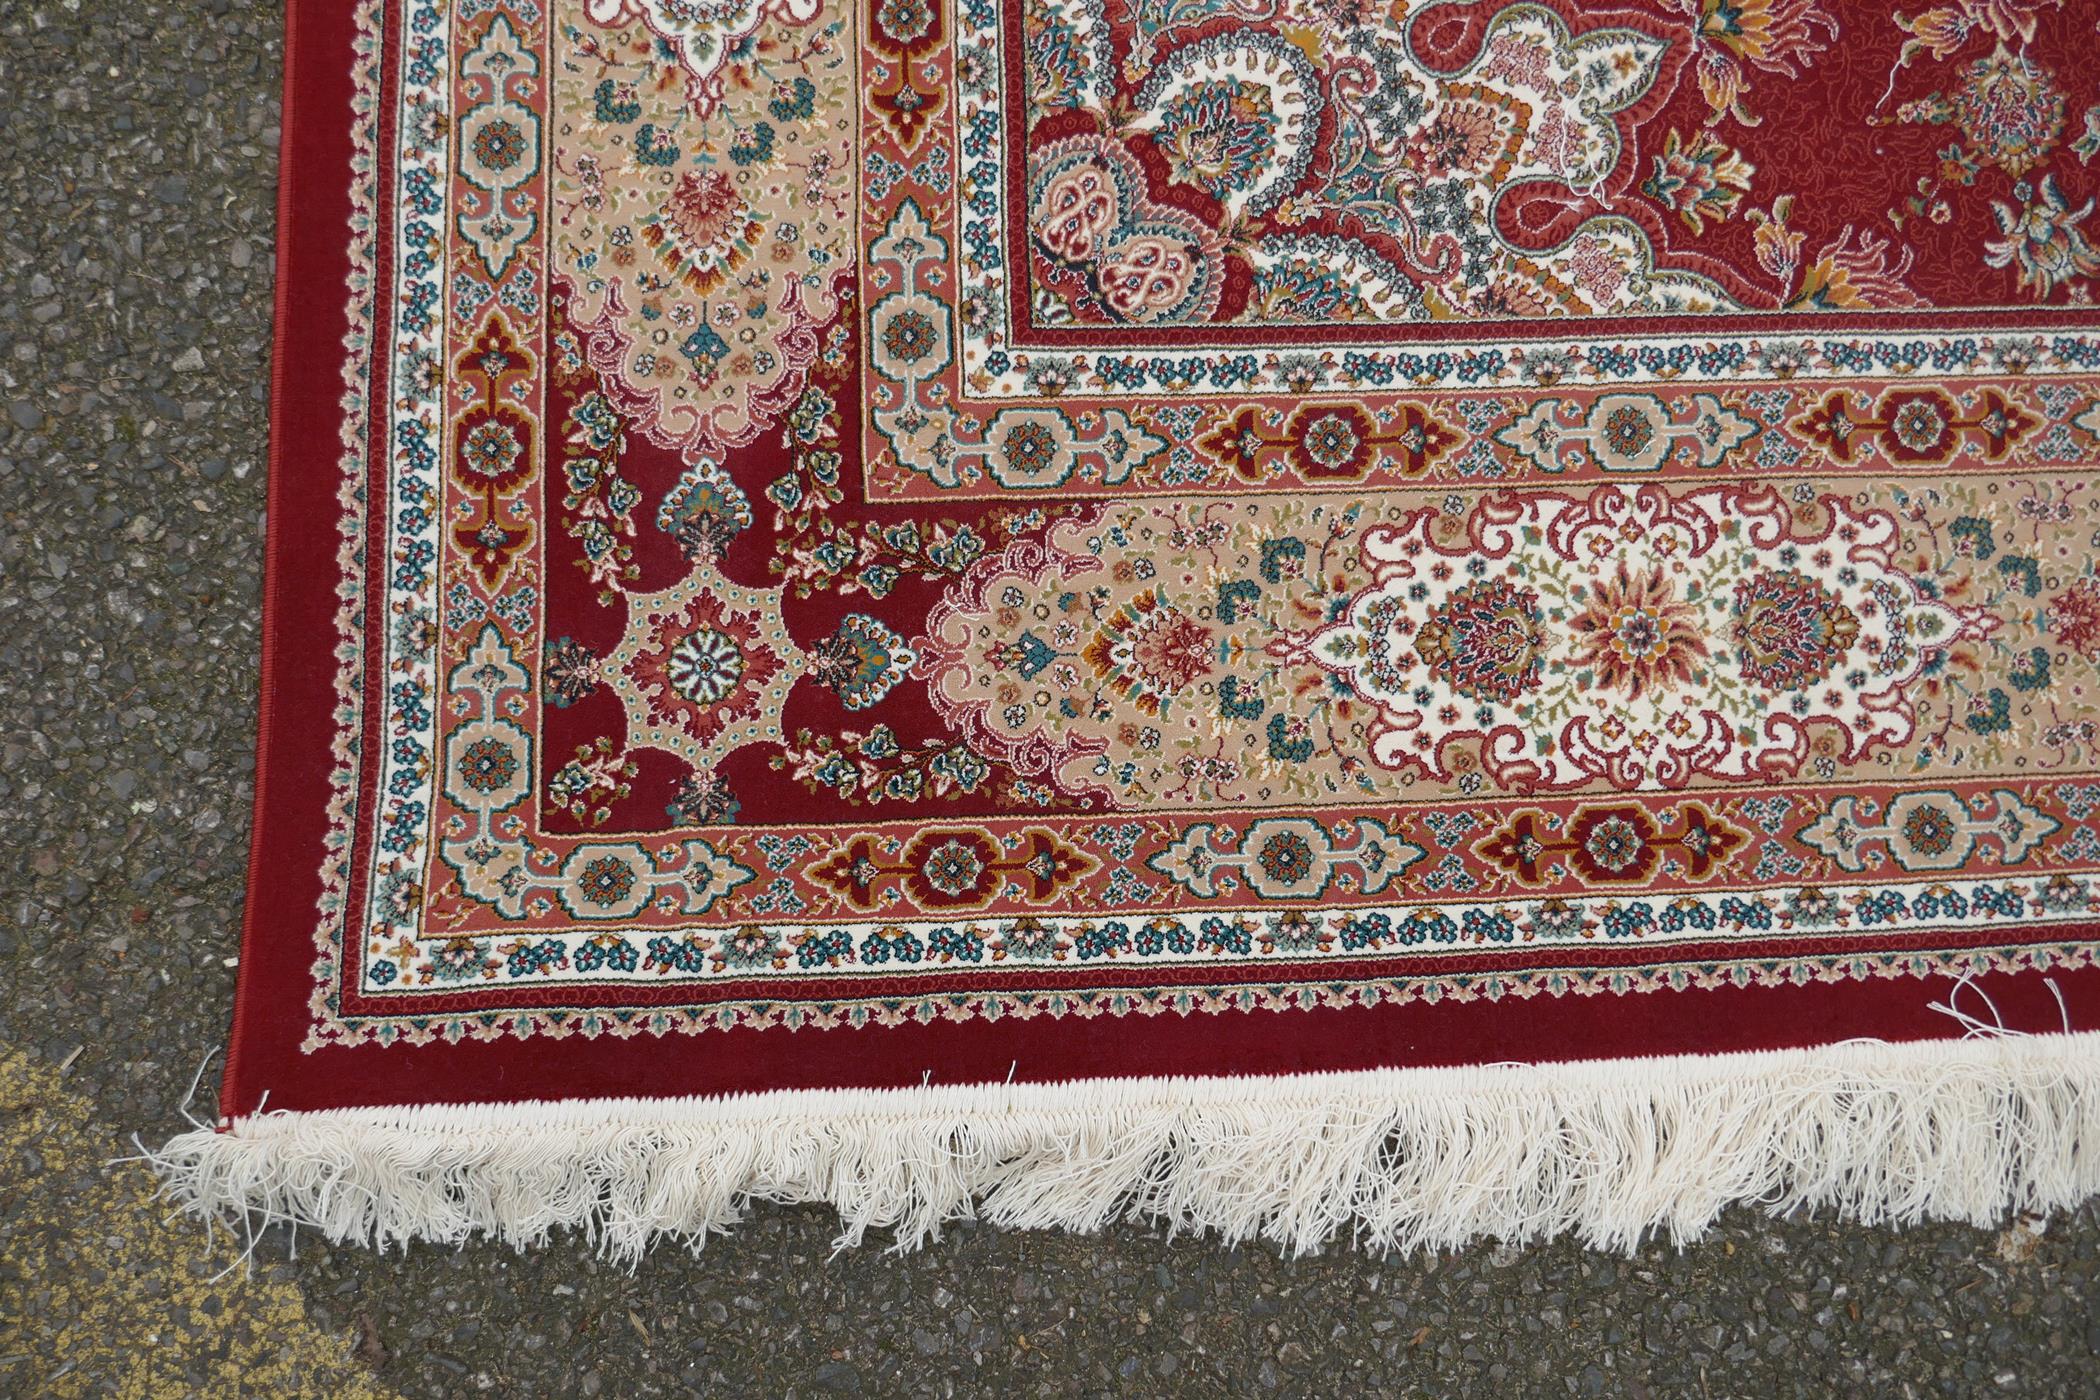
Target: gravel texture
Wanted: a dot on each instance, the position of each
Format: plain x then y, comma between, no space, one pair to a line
137,161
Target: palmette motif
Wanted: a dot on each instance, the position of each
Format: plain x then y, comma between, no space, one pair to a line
898,508
705,224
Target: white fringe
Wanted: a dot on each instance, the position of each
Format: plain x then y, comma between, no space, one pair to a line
1394,1159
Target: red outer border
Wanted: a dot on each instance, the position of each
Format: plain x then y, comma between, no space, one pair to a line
294,759
313,215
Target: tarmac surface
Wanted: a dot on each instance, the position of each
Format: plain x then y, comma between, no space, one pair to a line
138,148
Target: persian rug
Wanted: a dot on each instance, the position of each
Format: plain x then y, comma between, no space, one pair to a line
1297,617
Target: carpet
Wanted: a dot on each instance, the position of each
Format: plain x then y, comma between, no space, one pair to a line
1294,617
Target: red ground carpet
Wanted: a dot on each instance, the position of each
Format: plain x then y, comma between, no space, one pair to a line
1291,616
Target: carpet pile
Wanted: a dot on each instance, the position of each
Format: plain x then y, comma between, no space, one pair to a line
1295,617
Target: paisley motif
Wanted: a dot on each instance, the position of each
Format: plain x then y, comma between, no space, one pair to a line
1365,175
1234,116
1139,261
1789,631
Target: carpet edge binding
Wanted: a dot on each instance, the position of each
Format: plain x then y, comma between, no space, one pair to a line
1392,1160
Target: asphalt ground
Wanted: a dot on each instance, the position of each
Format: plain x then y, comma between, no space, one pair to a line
138,148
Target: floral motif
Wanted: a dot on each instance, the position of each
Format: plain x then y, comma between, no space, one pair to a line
570,672
707,669
2074,616
1486,642
2010,111
489,765
1332,441
861,662
2043,239
1789,631
1772,36
873,767
1149,651
704,231
1637,636
1218,135
705,511
2011,116
1699,179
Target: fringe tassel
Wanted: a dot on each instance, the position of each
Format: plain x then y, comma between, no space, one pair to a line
1393,1159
